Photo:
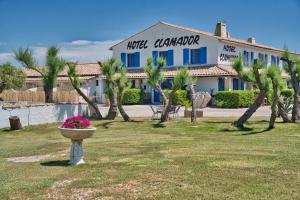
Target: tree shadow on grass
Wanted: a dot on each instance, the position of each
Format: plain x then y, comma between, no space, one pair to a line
56,163
245,130
110,123
159,125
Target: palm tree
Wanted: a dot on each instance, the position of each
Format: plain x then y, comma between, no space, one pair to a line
255,76
109,69
73,76
122,83
181,80
292,67
274,73
54,65
155,77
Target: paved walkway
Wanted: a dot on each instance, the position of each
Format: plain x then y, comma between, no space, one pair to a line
145,111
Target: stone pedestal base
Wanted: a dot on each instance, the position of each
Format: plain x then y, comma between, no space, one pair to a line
187,113
76,153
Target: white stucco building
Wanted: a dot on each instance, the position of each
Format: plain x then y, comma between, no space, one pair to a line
207,55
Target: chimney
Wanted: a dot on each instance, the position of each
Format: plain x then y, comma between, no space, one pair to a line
221,30
251,40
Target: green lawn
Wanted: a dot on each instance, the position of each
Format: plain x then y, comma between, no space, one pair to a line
143,160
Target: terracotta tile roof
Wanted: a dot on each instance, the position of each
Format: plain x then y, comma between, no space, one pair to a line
200,71
61,79
84,69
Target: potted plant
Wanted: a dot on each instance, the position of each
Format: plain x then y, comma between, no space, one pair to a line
77,129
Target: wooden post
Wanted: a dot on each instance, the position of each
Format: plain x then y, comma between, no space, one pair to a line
15,123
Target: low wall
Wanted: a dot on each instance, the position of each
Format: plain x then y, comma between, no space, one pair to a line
42,114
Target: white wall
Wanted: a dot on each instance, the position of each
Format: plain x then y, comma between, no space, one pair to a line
206,84
164,31
42,114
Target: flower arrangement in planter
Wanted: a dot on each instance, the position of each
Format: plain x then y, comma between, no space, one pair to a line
77,122
77,129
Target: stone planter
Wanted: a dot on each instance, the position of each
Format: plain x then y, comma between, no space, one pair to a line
187,113
77,136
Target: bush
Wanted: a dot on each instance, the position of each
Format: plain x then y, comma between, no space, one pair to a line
235,99
287,93
180,98
132,96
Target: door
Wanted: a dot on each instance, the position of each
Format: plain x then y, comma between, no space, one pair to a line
156,96
221,84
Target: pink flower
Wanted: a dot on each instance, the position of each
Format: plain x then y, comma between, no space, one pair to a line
76,122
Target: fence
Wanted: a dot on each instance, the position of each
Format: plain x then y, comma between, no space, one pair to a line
39,96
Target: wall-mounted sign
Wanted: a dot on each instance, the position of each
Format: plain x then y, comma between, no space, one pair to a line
165,42
229,53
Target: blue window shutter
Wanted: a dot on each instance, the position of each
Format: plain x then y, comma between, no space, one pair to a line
203,55
235,84
266,59
278,60
245,58
242,85
136,59
186,56
170,58
252,58
123,59
154,56
220,84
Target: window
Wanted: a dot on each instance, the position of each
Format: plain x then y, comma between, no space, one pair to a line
163,54
266,59
246,58
133,59
273,60
132,83
130,60
261,57
167,55
235,84
97,82
195,56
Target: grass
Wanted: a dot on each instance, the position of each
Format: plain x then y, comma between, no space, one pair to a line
143,160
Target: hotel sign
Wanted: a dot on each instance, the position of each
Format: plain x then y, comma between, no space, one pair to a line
229,53
165,42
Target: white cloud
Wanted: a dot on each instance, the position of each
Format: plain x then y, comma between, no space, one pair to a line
81,51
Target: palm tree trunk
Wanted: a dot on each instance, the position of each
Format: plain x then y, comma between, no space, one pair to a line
166,110
295,83
89,102
48,95
273,106
120,107
113,108
282,113
193,113
162,94
249,112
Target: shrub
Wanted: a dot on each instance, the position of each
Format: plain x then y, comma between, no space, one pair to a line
180,98
235,99
287,93
132,96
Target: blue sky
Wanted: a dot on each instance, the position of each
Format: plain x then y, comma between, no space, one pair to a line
84,29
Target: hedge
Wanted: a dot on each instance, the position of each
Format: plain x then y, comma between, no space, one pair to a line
132,96
287,93
180,98
235,98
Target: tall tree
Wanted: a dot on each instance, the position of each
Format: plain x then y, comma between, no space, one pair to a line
10,77
181,80
274,73
193,99
122,83
75,82
54,65
255,76
292,67
109,69
155,77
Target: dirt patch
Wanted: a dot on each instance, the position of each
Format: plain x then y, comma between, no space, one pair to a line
28,159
